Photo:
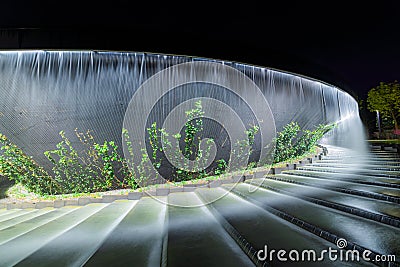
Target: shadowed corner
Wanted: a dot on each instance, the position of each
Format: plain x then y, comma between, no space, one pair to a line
5,184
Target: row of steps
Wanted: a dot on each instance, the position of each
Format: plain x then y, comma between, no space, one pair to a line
222,226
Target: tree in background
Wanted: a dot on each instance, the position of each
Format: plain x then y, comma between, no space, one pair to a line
385,98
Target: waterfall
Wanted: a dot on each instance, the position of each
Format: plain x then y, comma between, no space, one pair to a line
45,92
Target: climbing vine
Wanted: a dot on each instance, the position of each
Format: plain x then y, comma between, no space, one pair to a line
99,166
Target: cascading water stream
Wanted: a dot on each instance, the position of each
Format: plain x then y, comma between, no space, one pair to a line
45,92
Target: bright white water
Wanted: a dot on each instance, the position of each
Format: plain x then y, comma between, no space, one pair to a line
44,92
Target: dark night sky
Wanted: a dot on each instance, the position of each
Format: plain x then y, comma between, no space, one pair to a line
351,45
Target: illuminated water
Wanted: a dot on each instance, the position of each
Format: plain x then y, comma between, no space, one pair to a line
44,92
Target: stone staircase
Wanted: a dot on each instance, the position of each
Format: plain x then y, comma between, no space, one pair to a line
338,196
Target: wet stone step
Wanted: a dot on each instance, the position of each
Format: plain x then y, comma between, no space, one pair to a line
75,246
381,211
346,190
7,211
24,217
378,173
261,228
18,248
193,231
21,228
349,184
363,156
364,161
353,178
15,214
2,211
138,237
350,166
375,236
298,209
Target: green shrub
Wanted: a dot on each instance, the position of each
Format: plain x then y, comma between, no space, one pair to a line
285,142
21,168
98,167
193,130
293,142
309,138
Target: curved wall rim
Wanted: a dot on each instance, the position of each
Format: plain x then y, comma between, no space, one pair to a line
176,55
47,91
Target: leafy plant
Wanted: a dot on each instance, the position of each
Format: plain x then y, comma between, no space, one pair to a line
17,166
154,144
98,167
309,139
284,142
193,132
251,133
193,127
292,142
386,99
221,167
127,166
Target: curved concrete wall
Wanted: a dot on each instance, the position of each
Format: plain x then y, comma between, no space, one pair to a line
44,92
